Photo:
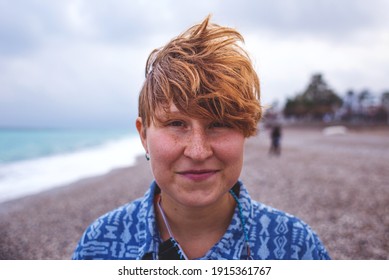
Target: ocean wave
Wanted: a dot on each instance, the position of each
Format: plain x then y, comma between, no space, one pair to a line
32,176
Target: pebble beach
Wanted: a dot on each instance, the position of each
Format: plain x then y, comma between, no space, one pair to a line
338,184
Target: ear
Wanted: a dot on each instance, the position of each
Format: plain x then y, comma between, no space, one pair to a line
142,132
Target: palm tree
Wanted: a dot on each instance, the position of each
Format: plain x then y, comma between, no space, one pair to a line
317,101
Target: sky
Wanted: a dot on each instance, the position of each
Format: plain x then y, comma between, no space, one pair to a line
80,63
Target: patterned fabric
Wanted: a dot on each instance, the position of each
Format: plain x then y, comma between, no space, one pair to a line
130,232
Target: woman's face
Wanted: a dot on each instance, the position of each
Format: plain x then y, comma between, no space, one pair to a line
194,161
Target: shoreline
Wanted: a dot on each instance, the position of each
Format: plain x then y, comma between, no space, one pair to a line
334,183
48,225
29,176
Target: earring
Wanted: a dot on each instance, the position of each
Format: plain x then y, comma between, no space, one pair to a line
147,155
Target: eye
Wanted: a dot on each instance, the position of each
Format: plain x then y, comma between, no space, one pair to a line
176,123
219,125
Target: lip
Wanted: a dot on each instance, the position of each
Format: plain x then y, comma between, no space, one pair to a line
198,175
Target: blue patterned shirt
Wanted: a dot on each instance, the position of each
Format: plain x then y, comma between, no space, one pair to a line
130,232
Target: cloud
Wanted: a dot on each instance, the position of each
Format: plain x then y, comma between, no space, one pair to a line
25,25
80,80
323,18
81,62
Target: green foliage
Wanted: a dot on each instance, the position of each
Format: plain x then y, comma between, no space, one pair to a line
315,102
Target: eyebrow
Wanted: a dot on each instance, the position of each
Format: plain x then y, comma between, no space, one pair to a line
162,115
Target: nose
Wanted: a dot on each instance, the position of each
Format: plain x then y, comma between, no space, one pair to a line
198,145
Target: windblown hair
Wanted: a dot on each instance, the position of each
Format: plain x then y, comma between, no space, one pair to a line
206,74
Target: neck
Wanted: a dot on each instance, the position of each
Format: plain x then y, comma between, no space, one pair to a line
196,229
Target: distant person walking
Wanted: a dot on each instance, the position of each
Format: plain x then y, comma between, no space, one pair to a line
275,148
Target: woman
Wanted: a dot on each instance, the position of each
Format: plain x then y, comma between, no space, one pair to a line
199,103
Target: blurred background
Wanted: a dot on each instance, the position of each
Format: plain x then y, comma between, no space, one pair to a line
80,63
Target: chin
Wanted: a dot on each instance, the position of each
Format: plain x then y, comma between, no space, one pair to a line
199,200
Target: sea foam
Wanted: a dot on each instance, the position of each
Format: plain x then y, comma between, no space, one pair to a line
27,177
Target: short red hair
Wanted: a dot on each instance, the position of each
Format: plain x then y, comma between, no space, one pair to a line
205,73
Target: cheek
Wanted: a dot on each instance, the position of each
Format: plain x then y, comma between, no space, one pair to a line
233,146
163,149
231,155
231,152
164,153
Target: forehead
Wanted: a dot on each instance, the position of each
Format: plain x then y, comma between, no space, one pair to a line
173,108
170,111
163,109
167,110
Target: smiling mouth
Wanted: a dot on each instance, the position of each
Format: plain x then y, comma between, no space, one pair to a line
198,175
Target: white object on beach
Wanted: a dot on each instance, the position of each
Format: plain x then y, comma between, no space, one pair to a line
335,130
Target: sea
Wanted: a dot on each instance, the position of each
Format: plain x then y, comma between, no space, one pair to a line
35,160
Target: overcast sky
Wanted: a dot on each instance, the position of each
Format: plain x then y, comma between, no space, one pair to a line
79,63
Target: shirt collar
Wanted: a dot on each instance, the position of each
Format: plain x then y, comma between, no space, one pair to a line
226,248
232,245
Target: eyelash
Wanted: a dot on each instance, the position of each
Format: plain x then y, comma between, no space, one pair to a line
177,123
220,125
